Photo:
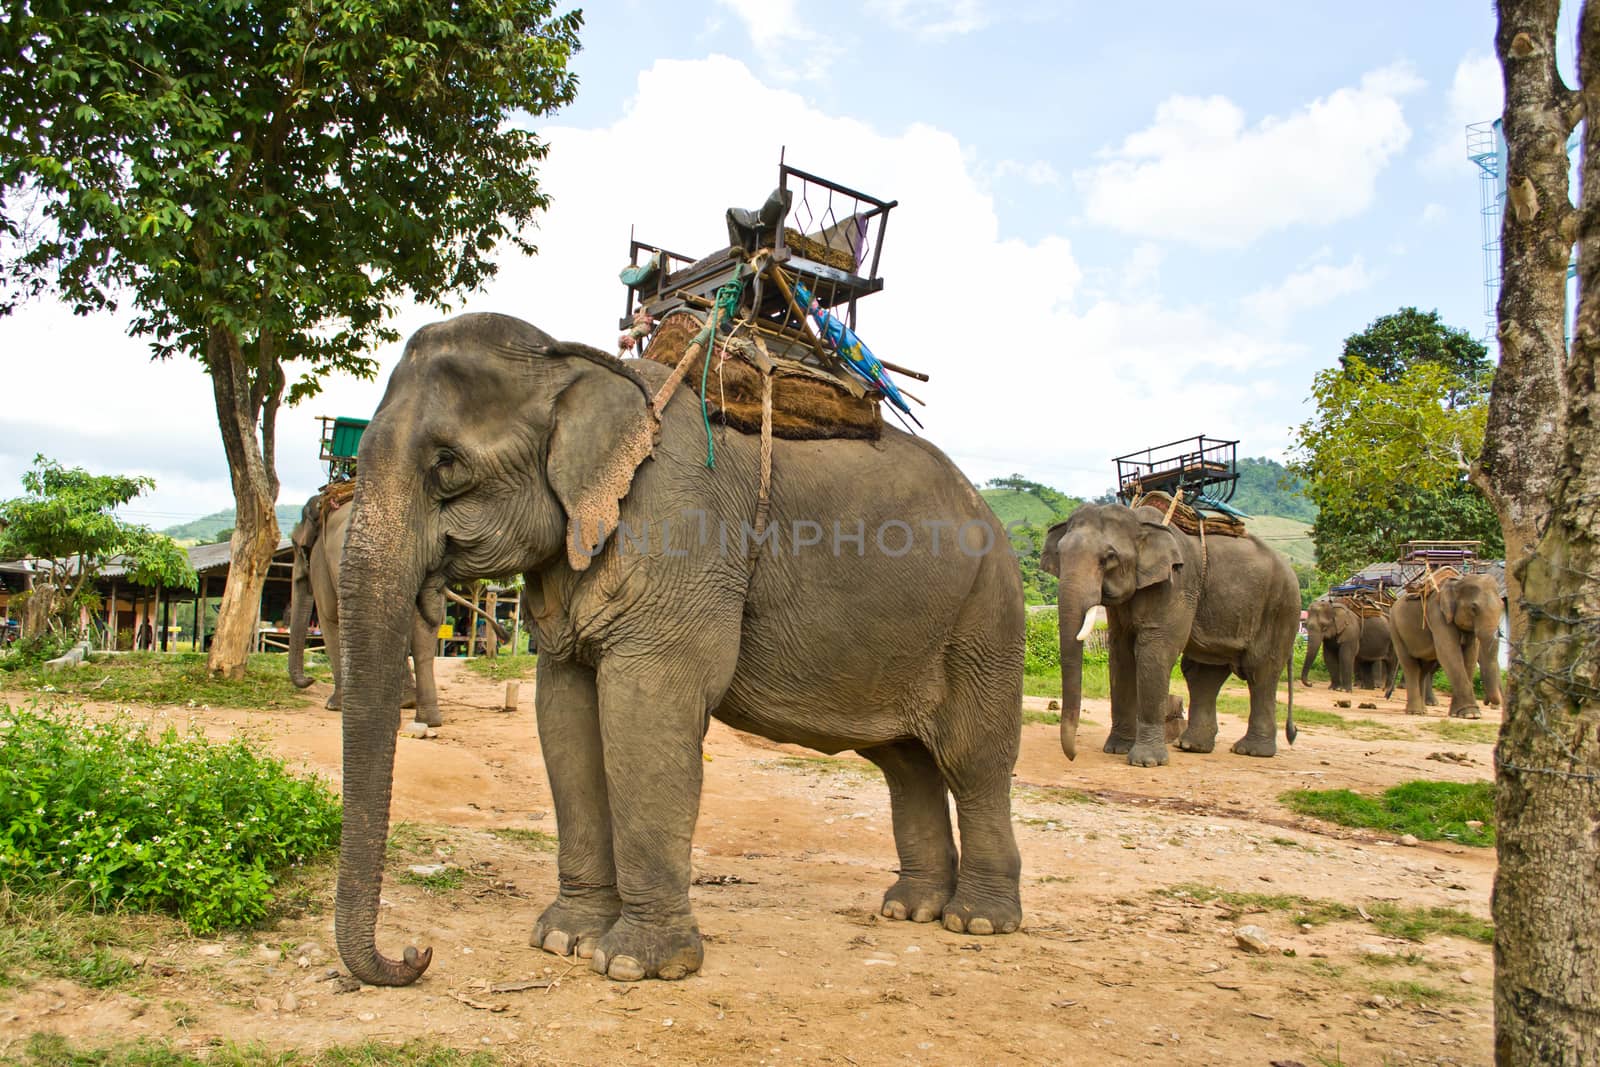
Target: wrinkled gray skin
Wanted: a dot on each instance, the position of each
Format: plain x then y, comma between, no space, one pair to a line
317,552
1240,616
1460,627
1355,648
488,433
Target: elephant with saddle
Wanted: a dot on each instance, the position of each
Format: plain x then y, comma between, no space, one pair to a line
869,601
1356,647
1225,605
1451,626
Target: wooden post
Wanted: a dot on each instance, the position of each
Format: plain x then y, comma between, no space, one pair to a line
491,640
513,691
166,614
517,644
111,638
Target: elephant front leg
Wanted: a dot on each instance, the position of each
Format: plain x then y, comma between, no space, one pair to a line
920,805
567,707
1153,659
1345,682
1124,690
1414,682
652,724
1458,663
422,638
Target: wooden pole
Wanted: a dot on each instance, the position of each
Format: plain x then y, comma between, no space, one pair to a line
517,644
166,614
111,638
513,691
491,640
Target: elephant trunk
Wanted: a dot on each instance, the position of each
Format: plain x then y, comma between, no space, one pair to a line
300,603
1075,625
1313,646
379,582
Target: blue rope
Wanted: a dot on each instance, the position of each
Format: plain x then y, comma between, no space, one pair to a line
725,307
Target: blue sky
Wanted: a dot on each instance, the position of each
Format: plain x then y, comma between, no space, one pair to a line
1182,210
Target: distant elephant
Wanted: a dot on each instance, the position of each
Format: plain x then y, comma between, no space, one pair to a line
1233,607
318,540
1452,628
666,590
1352,645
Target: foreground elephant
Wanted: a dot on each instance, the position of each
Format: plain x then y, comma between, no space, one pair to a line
318,540
885,616
1453,628
1355,647
1235,609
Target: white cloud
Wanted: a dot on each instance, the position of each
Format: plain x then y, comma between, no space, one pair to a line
1477,93
1432,213
1310,287
1037,172
779,33
932,18
1029,372
1200,174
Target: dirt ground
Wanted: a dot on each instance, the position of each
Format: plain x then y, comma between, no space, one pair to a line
792,854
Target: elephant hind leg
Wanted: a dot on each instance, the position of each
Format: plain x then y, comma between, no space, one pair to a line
921,810
1261,736
1205,682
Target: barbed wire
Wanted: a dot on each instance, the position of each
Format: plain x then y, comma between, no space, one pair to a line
1536,682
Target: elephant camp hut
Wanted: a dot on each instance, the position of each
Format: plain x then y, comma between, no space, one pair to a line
773,315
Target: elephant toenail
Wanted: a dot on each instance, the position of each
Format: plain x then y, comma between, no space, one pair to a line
953,923
597,962
558,942
980,925
924,915
894,910
625,969
585,948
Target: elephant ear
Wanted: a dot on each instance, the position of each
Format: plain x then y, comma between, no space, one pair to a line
1047,553
603,430
309,528
1159,555
1448,598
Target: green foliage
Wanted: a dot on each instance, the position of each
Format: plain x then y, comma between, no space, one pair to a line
53,1050
537,840
1431,811
1028,509
1392,920
1043,649
1393,344
67,520
1313,583
219,525
157,822
1289,536
1267,487
157,678
32,650
53,934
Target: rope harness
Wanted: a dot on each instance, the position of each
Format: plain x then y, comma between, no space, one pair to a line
1166,520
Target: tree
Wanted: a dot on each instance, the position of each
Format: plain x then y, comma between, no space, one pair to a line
1388,461
265,181
1392,344
67,523
1540,466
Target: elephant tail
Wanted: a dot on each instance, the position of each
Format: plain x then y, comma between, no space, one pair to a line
1288,723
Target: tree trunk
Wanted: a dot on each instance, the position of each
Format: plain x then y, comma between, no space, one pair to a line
1541,467
246,397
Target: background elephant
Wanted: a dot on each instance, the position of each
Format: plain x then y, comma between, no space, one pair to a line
319,539
1235,607
879,610
1452,628
1355,648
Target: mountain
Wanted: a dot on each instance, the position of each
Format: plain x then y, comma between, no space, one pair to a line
1289,536
1259,491
204,531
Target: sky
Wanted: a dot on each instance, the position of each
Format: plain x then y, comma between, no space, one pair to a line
1112,231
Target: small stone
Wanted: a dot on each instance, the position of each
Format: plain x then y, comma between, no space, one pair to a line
1370,1013
1475,824
666,1023
1369,948
268,952
265,1004
1252,939
366,1017
1305,928
289,1003
426,870
415,729
1408,840
302,962
209,950
1378,1000
1465,977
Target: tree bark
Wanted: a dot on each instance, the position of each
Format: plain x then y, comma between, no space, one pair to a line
1541,467
247,398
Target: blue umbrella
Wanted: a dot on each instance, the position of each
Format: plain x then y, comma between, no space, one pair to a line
848,347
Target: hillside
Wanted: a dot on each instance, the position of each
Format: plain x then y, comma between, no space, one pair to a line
1258,492
204,530
1289,536
1014,505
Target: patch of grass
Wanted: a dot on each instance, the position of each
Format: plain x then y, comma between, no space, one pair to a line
1390,919
506,667
441,881
152,821
52,1050
1408,989
1403,959
537,840
411,839
1048,718
55,936
1058,794
1476,733
1365,729
1431,811
827,765
166,678
1288,842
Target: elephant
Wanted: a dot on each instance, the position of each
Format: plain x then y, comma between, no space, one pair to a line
318,540
1229,605
670,585
1355,647
1451,628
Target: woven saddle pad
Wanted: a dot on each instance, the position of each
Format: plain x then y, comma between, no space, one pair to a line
806,404
1428,584
1188,519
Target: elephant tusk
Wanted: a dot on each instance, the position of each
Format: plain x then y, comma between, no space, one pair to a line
1088,625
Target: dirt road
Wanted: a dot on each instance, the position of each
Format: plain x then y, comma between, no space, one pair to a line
1126,955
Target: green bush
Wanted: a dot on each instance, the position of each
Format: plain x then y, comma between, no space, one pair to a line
30,651
154,822
1043,652
1431,811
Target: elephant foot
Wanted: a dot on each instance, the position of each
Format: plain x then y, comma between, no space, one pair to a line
632,950
430,716
1249,745
1416,711
574,923
973,913
1117,746
1193,740
1471,711
335,701
1148,754
921,902
1493,702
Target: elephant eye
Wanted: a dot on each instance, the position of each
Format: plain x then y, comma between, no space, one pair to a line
449,474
